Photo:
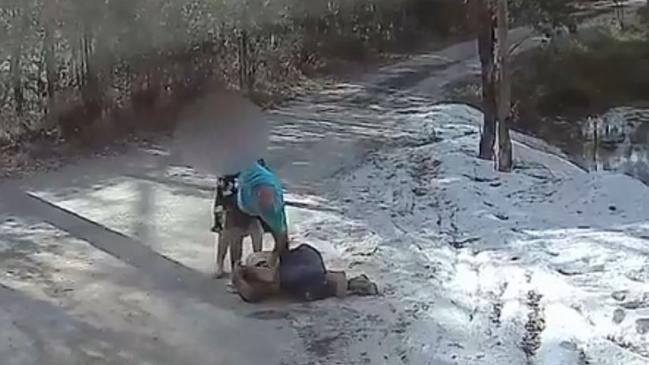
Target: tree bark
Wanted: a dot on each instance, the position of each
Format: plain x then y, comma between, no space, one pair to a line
503,84
251,65
483,16
243,60
17,78
50,62
619,12
22,21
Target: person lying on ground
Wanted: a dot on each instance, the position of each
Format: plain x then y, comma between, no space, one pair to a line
301,275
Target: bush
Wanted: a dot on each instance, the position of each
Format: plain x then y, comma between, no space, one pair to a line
80,60
591,78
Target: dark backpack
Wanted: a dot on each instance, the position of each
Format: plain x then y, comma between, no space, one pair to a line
302,274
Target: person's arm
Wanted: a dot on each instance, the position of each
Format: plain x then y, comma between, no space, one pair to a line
281,242
281,247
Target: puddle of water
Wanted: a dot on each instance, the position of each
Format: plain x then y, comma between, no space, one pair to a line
629,158
618,140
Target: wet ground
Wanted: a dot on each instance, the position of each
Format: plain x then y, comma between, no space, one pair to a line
617,140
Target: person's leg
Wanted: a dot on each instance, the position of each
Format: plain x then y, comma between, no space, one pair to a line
256,235
217,223
235,242
233,239
239,224
225,190
362,285
221,250
217,209
235,247
337,283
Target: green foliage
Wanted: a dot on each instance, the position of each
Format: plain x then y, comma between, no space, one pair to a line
81,58
77,59
543,14
643,14
604,73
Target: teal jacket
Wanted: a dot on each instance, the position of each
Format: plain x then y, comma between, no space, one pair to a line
251,181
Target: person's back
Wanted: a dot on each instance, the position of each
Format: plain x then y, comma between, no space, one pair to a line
260,194
303,275
226,198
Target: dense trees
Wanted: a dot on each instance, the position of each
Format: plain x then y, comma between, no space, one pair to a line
78,64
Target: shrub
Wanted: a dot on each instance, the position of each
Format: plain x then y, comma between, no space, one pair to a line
593,77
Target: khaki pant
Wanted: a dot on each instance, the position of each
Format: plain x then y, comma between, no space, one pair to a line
237,226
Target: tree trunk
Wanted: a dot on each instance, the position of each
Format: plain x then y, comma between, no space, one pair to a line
50,63
483,16
91,92
251,65
503,84
22,19
17,78
619,12
243,60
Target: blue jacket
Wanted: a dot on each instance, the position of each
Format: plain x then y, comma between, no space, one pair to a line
251,180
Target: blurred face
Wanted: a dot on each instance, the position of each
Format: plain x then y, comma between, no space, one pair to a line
221,133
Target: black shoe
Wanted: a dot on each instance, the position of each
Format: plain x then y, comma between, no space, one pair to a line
362,285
